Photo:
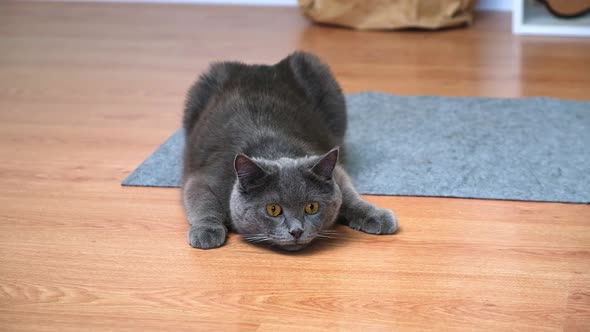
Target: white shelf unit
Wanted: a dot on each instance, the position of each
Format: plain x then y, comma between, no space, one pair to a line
530,17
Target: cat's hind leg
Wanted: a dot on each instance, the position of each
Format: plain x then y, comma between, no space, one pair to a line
360,214
205,214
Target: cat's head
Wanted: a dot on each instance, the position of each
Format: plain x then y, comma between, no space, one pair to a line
285,202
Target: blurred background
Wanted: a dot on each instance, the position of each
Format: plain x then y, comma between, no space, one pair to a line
89,89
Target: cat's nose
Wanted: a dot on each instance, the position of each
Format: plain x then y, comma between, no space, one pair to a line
296,233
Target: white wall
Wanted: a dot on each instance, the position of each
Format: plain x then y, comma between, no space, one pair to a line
502,5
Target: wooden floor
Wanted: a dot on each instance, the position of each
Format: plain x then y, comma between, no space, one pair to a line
87,91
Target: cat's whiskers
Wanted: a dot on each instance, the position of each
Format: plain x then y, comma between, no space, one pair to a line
256,238
258,241
327,234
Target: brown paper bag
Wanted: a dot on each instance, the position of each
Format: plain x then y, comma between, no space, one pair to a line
389,14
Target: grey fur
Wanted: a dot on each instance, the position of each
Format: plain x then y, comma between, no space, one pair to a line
259,135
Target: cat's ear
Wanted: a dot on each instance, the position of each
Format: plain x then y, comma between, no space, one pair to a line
325,166
249,174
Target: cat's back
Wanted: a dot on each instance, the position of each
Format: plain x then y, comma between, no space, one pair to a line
264,110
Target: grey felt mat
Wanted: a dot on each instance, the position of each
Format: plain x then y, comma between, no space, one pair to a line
535,149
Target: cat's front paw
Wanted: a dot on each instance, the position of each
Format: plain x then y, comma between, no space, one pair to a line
377,221
207,236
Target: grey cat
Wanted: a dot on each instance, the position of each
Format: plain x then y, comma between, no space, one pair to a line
262,156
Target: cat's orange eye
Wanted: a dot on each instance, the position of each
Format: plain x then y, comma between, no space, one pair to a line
312,208
273,210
